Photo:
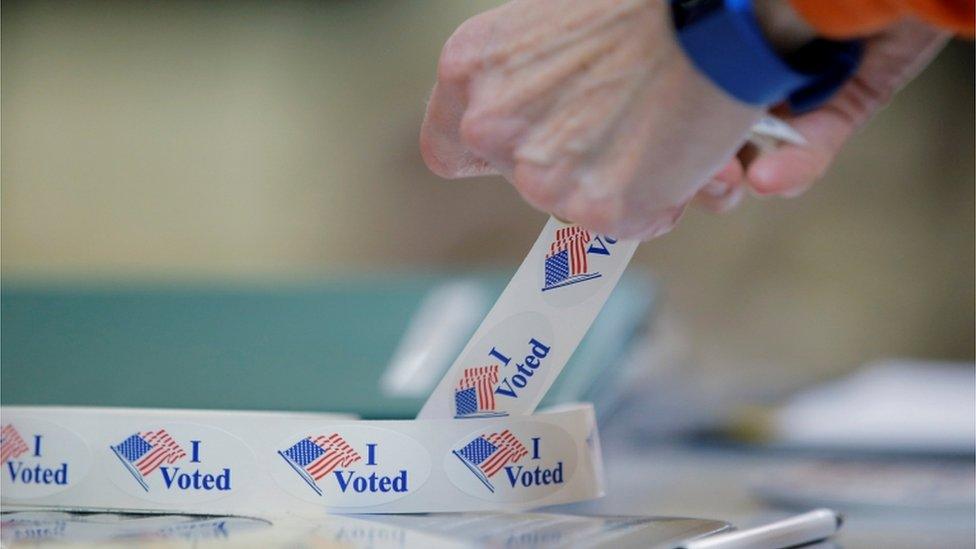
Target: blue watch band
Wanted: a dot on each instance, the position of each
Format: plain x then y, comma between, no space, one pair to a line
723,40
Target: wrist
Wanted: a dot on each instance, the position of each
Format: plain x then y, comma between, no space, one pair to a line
725,40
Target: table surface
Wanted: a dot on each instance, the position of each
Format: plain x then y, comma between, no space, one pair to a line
717,482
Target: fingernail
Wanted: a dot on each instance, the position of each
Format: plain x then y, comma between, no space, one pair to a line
793,192
716,188
661,224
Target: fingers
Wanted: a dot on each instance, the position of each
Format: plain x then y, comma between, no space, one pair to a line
589,109
725,190
662,222
542,186
890,60
440,139
789,170
440,142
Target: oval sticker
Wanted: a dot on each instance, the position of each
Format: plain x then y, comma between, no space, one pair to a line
507,369
577,264
40,458
178,463
524,462
351,465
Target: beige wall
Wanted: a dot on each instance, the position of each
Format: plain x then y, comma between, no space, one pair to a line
185,140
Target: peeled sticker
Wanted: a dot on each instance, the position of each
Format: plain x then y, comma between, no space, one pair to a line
506,363
535,326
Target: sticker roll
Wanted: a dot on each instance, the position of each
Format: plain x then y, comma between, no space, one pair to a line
268,464
273,464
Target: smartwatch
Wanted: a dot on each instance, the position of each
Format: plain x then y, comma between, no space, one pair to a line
723,39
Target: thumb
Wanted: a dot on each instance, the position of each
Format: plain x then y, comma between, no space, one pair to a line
891,59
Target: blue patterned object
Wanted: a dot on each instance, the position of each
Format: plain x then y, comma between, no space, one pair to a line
304,452
557,268
466,401
133,447
478,450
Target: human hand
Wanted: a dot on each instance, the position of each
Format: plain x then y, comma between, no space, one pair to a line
891,59
590,109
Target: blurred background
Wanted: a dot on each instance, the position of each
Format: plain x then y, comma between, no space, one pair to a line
266,146
188,141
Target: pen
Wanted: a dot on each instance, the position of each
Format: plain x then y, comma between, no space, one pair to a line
798,530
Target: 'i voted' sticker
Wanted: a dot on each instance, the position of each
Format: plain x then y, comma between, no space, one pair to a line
351,466
503,366
577,264
535,326
178,462
521,462
40,458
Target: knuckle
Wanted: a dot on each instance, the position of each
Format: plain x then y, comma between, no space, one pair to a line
602,215
477,132
660,222
536,187
453,65
460,56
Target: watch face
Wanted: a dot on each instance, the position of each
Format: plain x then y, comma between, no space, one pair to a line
686,12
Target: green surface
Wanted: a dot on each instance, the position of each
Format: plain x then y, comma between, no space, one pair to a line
316,346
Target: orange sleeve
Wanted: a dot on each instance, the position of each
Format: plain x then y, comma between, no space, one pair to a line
852,18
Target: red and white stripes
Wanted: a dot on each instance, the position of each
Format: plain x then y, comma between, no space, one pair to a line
338,452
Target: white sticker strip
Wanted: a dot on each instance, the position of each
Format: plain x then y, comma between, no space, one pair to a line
271,464
534,327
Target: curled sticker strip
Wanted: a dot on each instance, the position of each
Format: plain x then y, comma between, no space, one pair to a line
476,444
266,464
534,327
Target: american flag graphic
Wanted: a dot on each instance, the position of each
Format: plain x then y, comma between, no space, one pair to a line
11,443
314,457
143,453
475,392
566,262
488,454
